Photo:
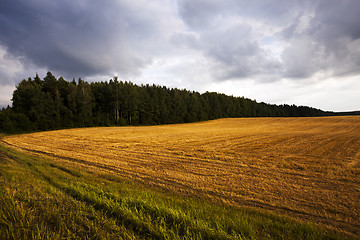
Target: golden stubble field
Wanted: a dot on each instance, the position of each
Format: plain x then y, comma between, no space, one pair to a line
307,168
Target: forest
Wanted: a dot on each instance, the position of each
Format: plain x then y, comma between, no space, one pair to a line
51,103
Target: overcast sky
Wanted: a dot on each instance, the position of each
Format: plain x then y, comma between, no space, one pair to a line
303,52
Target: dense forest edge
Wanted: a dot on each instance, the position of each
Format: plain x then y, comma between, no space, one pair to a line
51,103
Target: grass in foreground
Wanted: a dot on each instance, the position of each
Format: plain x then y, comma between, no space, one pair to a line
44,199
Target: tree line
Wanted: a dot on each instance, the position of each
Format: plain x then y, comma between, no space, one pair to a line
51,103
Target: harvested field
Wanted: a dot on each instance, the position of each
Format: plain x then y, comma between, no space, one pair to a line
307,168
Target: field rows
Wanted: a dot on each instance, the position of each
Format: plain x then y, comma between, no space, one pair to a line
307,168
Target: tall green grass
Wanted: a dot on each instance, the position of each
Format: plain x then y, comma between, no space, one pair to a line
45,199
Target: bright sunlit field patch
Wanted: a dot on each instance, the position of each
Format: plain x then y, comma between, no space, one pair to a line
306,168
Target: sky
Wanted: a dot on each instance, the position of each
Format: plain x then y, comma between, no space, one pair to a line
303,52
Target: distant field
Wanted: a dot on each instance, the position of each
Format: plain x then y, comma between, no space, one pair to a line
307,168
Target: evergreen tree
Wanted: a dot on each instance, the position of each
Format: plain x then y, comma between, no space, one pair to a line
56,103
84,104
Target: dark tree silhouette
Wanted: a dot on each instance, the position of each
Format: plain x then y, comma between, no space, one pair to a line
56,103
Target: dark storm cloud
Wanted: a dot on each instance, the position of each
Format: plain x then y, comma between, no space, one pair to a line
318,36
338,30
195,43
338,18
329,41
76,37
83,38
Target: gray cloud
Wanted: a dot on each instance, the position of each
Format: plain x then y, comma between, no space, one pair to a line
238,53
187,40
334,19
204,13
81,37
319,36
228,35
327,40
